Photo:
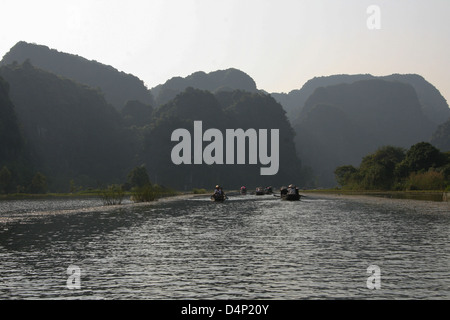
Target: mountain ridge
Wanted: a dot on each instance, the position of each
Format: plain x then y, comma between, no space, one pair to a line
434,105
356,116
118,87
220,80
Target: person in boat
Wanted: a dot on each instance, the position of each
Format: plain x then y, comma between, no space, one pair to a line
218,193
292,190
283,191
259,191
243,190
268,190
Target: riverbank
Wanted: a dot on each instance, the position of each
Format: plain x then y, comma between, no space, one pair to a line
6,216
405,195
386,201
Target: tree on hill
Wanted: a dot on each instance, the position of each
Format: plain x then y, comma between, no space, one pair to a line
136,113
220,80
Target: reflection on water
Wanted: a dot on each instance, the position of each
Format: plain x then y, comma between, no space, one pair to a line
246,248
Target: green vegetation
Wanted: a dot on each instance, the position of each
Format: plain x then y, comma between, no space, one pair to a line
71,133
342,123
112,195
441,138
5,180
222,110
221,80
199,191
422,167
38,184
78,141
83,125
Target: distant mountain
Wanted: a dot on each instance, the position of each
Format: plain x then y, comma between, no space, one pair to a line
16,165
220,80
73,132
433,104
75,119
340,124
75,135
222,110
11,141
118,87
441,138
294,101
136,113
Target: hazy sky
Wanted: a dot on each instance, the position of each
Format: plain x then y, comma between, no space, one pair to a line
281,44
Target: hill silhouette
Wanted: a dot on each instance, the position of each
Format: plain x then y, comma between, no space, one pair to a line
75,135
72,131
340,124
222,110
441,137
75,119
118,87
433,104
220,80
11,141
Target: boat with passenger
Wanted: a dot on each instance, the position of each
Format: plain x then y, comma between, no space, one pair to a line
218,195
290,193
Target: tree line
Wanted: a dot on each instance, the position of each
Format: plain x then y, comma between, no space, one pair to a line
421,167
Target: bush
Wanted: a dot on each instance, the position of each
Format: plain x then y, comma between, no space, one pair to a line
430,180
199,191
112,195
145,193
38,184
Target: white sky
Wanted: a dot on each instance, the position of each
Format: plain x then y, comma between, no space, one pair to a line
280,43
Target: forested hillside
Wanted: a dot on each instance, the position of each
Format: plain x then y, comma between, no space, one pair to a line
118,87
71,130
340,124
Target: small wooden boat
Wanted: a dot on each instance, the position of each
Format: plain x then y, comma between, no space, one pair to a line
291,197
290,193
218,197
259,191
268,190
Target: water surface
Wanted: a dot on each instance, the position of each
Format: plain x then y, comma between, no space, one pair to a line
249,247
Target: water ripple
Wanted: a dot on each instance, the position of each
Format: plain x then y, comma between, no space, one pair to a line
247,248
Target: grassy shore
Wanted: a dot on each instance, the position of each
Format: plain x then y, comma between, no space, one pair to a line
369,192
433,195
90,193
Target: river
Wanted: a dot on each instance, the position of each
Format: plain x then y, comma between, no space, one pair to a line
249,247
